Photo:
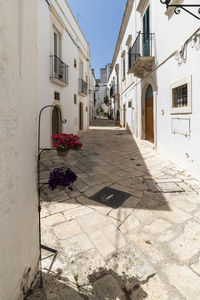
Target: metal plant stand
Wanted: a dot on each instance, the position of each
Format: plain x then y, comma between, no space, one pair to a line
40,184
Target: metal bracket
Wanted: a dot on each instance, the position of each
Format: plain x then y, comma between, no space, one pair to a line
178,7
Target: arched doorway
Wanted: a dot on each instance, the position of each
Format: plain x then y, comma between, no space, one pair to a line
56,125
80,116
149,120
124,115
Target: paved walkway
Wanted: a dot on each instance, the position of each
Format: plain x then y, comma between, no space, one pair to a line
148,248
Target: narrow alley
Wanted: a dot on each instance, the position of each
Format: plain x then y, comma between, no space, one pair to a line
130,228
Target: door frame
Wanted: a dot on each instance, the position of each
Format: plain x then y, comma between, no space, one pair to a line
148,116
81,116
124,115
52,111
148,81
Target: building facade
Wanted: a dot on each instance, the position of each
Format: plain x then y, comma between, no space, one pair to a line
92,88
155,80
101,87
44,59
19,238
63,69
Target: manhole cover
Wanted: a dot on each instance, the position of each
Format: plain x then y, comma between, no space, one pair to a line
110,197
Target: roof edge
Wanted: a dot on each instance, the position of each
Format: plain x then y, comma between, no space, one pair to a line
126,17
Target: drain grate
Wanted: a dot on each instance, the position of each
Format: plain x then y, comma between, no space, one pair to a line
110,197
169,187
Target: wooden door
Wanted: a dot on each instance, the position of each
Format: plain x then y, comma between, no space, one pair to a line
56,126
149,120
124,117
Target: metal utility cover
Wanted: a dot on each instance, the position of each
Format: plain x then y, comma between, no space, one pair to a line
110,197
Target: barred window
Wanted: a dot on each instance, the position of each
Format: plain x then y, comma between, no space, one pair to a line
180,96
56,96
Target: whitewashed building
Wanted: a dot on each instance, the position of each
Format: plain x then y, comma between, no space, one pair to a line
101,87
63,69
44,60
19,238
92,90
155,79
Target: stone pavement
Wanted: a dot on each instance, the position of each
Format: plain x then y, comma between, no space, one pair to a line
148,248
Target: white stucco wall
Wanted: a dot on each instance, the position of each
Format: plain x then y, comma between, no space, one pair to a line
92,96
171,32
72,48
18,195
182,149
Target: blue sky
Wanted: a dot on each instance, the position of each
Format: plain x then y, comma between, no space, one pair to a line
100,22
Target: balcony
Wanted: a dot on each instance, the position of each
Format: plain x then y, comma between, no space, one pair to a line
82,87
59,71
141,57
114,90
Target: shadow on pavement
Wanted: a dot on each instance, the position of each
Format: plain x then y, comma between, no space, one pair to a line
110,158
102,284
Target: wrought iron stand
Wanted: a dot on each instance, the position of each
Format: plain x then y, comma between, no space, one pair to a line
40,184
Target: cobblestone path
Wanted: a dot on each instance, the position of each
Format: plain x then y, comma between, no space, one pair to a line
148,248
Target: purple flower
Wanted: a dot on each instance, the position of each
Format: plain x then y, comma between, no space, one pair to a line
62,176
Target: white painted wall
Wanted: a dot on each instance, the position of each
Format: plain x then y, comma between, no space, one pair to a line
73,47
18,195
171,32
92,84
183,150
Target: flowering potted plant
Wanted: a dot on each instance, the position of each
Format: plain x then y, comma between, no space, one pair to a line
61,177
63,142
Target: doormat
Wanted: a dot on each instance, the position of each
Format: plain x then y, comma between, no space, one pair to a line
110,197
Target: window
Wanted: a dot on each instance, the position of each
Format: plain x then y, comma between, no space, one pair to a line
56,42
75,63
75,99
181,96
124,68
80,69
129,103
56,96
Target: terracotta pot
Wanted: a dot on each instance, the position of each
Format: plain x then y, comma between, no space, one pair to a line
62,152
61,187
117,123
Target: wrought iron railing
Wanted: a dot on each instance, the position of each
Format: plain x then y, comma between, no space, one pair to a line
143,46
59,69
82,87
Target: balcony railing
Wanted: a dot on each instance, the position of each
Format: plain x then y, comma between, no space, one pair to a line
142,47
59,70
82,87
